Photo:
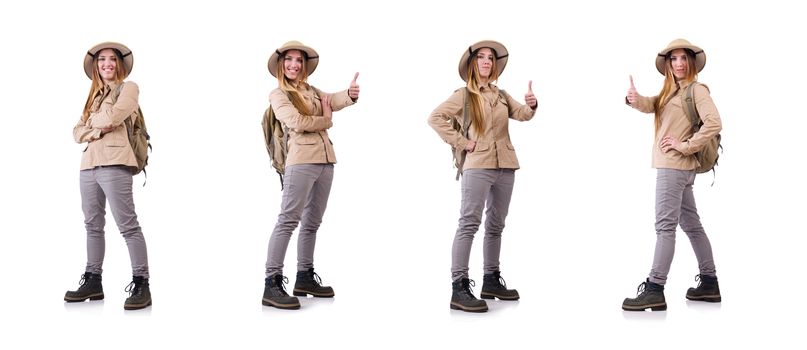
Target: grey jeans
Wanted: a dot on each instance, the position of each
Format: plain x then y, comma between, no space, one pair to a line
305,196
112,183
480,187
675,204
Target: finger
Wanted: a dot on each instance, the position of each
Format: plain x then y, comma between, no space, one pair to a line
631,82
529,86
356,76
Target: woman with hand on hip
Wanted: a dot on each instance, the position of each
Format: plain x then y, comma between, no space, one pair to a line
106,171
674,158
306,112
488,170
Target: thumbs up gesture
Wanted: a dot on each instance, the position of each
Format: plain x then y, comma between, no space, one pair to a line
353,90
529,97
632,94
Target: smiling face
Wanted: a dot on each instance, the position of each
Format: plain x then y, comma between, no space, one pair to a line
107,61
679,63
293,61
484,62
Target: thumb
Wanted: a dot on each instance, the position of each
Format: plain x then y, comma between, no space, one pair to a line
353,82
631,82
529,86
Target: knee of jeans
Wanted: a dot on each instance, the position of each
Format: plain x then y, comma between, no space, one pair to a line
131,232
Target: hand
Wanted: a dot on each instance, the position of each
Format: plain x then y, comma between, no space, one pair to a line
470,146
106,130
632,94
327,110
670,142
353,90
529,97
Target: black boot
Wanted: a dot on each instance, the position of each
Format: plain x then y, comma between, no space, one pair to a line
493,286
308,282
463,299
274,294
89,288
649,295
139,294
707,290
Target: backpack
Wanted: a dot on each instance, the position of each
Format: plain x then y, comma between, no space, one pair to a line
463,127
139,138
707,157
276,136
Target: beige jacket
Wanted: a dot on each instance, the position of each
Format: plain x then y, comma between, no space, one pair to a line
493,150
112,148
308,134
675,122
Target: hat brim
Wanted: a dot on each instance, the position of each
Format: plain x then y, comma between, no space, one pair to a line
128,57
500,51
700,57
312,59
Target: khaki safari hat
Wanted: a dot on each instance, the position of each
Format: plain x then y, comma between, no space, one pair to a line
311,56
128,59
499,51
700,56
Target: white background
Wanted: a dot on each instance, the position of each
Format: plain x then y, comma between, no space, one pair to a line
580,233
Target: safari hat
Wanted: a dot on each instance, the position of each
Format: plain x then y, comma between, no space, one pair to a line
128,60
700,56
312,58
498,50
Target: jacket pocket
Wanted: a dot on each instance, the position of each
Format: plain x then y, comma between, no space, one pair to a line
481,146
307,139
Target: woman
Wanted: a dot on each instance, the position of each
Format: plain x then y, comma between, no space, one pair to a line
306,112
673,157
489,167
106,171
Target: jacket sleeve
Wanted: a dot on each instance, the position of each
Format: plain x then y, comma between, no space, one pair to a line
711,121
83,133
288,114
339,99
440,119
112,115
643,104
521,112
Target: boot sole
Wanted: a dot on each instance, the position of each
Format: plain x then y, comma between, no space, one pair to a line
706,298
137,306
652,307
267,302
484,295
305,293
91,297
455,306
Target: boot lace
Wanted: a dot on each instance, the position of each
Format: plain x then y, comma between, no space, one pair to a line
133,288
698,280
82,280
641,289
316,278
470,284
280,281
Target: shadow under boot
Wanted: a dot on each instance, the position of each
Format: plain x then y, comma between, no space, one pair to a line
139,294
649,296
89,288
274,294
308,282
463,299
493,286
708,290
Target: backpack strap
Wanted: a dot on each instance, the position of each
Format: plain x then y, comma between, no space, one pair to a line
464,127
503,94
688,103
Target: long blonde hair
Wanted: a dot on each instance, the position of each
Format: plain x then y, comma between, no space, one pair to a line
477,111
291,88
97,92
670,87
